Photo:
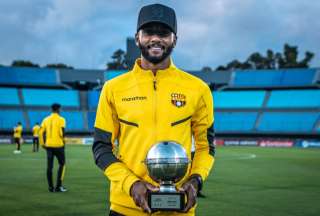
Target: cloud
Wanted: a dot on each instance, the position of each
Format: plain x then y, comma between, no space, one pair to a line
235,29
84,33
62,15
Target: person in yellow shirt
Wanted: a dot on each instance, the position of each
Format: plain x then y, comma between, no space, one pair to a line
153,102
17,136
35,132
52,134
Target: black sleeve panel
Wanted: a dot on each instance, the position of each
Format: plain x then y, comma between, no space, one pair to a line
210,137
102,149
63,132
44,137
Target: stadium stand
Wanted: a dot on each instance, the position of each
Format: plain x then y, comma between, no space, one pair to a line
295,122
74,120
9,96
93,99
91,119
294,98
79,79
37,116
247,103
239,99
46,97
28,76
108,75
274,78
235,121
9,119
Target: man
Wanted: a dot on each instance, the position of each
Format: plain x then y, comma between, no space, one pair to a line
52,139
154,102
35,132
17,136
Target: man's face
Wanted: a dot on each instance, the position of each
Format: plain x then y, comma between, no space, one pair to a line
156,42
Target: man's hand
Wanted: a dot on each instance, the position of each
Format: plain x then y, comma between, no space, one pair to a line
190,187
139,194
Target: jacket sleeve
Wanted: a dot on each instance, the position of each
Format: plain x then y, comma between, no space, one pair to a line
202,129
105,133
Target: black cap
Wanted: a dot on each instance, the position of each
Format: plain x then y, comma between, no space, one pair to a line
157,13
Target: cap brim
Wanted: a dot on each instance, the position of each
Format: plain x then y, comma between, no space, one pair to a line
155,21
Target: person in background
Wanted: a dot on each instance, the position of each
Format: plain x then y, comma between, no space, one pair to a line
35,132
17,136
52,134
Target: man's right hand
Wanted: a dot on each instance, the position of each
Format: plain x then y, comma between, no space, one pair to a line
139,194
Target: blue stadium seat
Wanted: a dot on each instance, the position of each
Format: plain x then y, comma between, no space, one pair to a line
239,99
93,99
245,78
91,119
74,119
46,97
9,118
37,116
294,98
110,74
9,96
25,75
288,121
235,121
270,78
297,77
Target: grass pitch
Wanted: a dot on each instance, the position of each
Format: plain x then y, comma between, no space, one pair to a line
245,181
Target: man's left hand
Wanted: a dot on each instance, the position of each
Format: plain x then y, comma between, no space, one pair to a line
190,188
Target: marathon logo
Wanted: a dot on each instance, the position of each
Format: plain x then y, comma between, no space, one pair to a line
135,98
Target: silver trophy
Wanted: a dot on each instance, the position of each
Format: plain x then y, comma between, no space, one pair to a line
167,163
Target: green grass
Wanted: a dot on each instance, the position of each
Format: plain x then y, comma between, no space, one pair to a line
278,181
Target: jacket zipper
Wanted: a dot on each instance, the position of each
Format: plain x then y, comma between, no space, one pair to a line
155,84
155,108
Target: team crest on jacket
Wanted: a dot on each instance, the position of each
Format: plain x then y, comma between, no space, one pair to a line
178,100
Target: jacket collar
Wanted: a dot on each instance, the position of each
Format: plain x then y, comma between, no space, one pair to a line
138,71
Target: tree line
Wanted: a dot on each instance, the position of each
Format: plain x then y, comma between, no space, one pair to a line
271,60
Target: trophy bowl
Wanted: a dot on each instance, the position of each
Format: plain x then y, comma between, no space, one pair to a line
167,162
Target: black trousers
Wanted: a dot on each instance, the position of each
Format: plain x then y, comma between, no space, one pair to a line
17,142
60,155
35,144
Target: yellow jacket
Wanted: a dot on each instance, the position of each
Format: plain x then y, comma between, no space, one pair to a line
52,131
36,131
137,110
17,131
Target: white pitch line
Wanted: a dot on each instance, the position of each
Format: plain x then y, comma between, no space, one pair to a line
240,157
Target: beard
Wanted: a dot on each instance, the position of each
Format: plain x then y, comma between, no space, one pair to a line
155,59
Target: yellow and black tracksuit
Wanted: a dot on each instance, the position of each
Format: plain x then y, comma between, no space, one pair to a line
17,134
52,138
137,110
35,132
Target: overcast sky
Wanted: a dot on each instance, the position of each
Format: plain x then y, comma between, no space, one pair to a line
85,33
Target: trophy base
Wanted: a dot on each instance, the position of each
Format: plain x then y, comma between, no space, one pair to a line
166,201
